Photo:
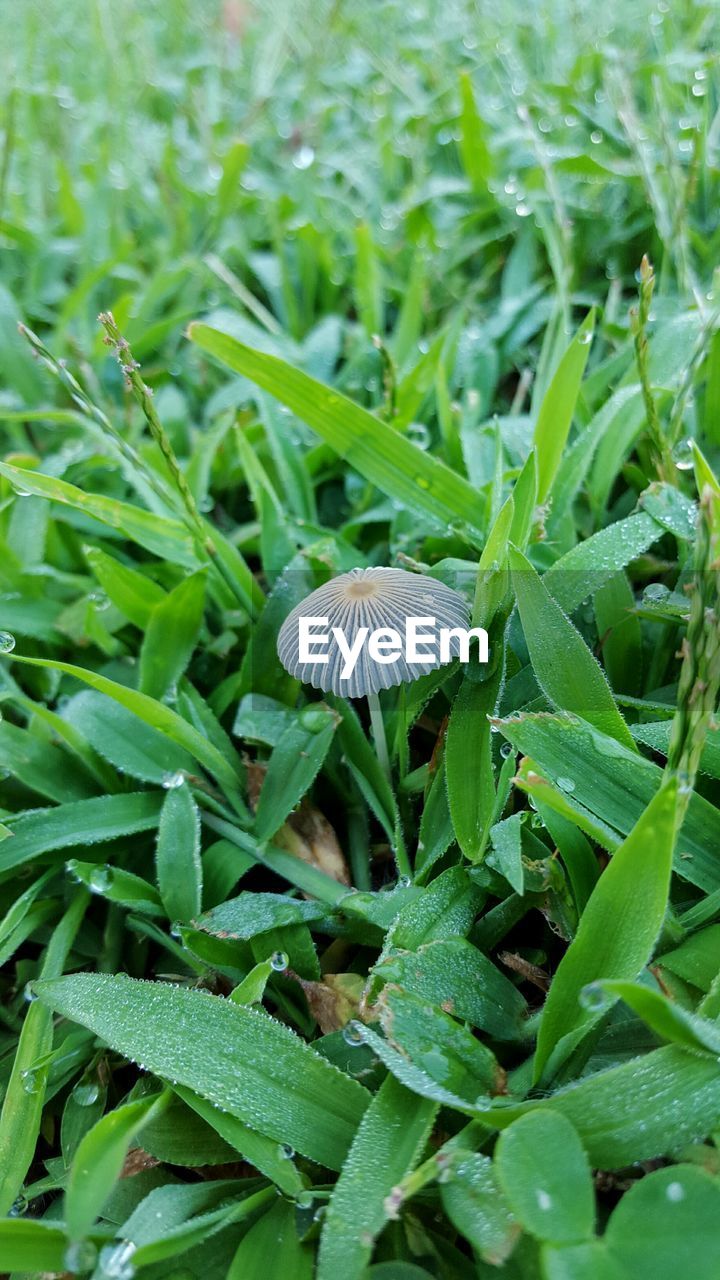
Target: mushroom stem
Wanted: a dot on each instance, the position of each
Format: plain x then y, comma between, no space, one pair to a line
378,732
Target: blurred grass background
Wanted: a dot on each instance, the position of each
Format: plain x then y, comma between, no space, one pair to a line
330,158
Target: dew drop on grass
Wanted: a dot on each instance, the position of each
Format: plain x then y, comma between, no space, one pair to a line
30,1081
593,998
506,750
116,1261
19,1206
172,780
81,1255
585,338
303,157
566,784
279,961
85,1094
314,717
354,1034
7,642
101,879
683,455
544,1200
286,1151
675,1191
656,591
28,993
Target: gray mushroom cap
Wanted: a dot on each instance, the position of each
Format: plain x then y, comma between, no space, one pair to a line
374,598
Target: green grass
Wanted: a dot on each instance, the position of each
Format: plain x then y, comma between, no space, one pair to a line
432,287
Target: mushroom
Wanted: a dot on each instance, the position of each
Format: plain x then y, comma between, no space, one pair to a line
370,629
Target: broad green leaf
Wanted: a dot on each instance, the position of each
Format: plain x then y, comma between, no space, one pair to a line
153,713
41,766
445,909
80,822
272,1250
452,973
171,635
236,1057
117,885
387,1145
443,1049
506,838
22,1107
133,746
558,406
620,634
666,1018
644,1108
563,665
252,913
619,926
133,593
468,764
589,1261
667,1226
697,959
586,567
98,1163
478,1209
545,1175
383,456
163,536
177,854
656,734
473,138
32,1246
269,1157
294,764
597,772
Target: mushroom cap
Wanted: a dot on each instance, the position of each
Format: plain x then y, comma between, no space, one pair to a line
375,598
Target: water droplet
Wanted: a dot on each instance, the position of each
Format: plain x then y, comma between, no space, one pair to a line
116,1261
80,1256
675,1191
19,1206
683,455
419,434
21,493
544,1200
656,591
101,879
7,642
506,750
100,600
403,882
566,784
71,868
585,338
314,717
86,1093
30,1080
286,1151
172,780
303,157
354,1034
523,210
279,961
28,993
593,998
596,136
